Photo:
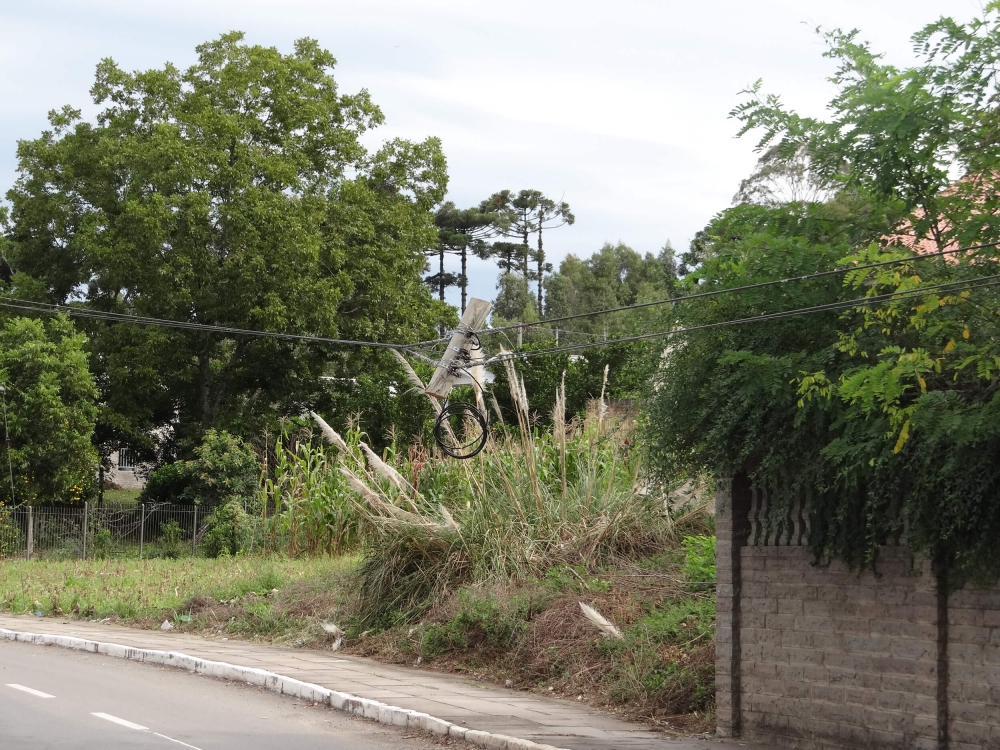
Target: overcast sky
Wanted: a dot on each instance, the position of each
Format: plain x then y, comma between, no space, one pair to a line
620,108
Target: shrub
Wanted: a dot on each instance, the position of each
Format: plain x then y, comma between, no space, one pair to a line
11,538
167,484
228,531
481,621
224,466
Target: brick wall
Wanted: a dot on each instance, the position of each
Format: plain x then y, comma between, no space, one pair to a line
822,657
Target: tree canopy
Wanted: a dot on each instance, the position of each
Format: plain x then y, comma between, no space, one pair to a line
235,193
50,413
886,413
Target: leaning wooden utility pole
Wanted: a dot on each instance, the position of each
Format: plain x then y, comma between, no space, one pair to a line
449,370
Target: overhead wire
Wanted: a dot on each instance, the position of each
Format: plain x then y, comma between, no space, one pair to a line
953,286
85,312
742,288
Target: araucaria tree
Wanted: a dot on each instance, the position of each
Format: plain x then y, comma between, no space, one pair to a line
518,216
234,193
460,232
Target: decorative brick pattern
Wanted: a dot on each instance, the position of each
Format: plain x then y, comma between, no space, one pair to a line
830,658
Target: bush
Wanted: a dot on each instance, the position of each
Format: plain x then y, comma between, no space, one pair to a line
228,531
167,484
481,621
11,538
224,466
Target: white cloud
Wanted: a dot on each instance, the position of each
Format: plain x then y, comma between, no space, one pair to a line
620,108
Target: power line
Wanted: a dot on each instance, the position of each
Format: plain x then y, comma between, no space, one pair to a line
950,286
84,312
730,290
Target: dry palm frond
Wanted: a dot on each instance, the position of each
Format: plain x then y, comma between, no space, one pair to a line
360,487
383,510
448,518
382,468
608,630
415,380
328,432
330,629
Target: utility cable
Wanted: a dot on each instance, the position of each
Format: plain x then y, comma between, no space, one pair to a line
730,290
84,312
952,286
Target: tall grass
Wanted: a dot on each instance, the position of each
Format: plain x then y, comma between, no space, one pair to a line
531,500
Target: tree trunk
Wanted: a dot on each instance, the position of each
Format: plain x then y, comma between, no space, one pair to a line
441,274
465,278
541,267
205,376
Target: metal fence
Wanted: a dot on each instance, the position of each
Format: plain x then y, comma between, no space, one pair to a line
109,530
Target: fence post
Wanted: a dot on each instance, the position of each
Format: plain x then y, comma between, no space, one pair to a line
194,532
31,533
142,527
85,509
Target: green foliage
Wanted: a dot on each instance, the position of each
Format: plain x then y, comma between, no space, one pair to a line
614,276
51,412
480,622
223,467
237,192
564,578
228,531
885,415
167,483
315,510
699,558
11,537
686,620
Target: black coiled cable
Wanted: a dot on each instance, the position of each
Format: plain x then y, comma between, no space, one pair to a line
466,412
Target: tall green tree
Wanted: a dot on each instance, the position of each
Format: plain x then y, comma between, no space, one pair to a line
460,232
921,140
550,215
518,216
614,276
887,413
235,193
50,412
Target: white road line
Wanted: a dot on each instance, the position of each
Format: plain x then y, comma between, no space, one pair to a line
122,722
177,741
140,728
32,691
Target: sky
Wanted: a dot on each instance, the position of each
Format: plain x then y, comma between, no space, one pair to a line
619,108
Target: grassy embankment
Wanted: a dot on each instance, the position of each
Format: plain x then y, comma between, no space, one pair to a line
473,566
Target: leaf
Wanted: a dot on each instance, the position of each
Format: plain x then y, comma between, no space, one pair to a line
950,345
904,435
965,333
923,384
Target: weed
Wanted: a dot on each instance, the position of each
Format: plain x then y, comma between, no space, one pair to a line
699,558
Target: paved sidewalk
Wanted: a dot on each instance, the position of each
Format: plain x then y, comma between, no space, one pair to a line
552,721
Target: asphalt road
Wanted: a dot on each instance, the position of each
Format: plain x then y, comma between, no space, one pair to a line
54,699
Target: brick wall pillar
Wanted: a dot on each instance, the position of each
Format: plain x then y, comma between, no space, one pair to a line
732,504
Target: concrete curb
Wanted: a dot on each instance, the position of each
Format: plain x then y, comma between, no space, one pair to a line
352,704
